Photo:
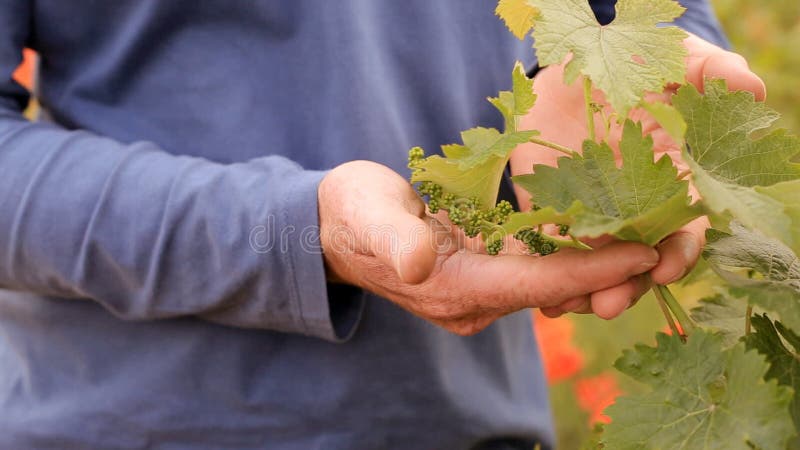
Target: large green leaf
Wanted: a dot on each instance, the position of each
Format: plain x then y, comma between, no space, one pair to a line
702,397
642,201
745,204
724,313
719,133
778,266
474,169
729,163
768,338
625,58
788,195
775,284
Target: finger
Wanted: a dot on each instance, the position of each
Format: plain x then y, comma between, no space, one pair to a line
551,280
552,312
610,303
708,61
578,305
679,252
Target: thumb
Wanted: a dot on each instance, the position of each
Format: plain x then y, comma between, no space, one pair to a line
401,237
707,61
386,218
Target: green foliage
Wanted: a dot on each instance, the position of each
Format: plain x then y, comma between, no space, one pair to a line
517,102
788,195
727,162
705,391
642,201
772,271
625,58
724,313
778,266
768,339
720,128
702,397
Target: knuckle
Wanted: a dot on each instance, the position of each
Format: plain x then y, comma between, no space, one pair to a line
441,313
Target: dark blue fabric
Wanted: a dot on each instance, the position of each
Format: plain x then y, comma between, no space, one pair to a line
163,286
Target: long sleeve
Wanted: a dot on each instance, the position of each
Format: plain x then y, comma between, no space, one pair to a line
151,235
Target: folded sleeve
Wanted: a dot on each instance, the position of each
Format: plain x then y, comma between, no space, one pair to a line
151,235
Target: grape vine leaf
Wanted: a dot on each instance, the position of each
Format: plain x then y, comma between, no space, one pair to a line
518,16
702,397
515,103
719,134
625,58
787,194
642,201
768,339
474,169
723,313
776,287
778,266
730,167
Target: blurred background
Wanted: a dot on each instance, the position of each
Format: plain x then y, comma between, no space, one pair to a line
579,351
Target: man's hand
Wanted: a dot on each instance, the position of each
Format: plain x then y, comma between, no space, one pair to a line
376,235
559,115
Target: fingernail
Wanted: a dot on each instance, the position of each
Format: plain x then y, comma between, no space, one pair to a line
677,276
647,265
689,248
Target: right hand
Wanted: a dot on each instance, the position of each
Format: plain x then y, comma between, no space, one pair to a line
376,235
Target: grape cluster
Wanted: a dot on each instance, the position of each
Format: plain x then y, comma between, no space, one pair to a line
536,242
466,213
494,246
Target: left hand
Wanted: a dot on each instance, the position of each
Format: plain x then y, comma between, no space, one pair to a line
559,114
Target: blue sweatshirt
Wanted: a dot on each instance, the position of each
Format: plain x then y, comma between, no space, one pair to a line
159,258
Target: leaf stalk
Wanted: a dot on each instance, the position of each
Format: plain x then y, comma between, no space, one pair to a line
587,97
663,294
558,147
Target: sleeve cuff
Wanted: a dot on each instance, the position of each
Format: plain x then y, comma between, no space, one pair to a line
328,311
285,287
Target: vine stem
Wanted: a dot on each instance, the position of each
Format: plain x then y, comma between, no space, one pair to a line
686,323
565,150
668,316
587,97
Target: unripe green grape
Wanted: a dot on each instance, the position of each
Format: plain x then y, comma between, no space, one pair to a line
415,155
433,205
494,247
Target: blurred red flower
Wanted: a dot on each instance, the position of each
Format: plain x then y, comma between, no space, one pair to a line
562,359
597,393
24,73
